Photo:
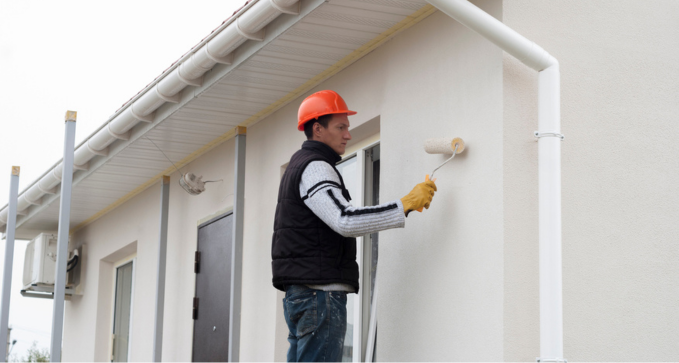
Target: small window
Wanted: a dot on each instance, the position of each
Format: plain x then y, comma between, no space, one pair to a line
121,314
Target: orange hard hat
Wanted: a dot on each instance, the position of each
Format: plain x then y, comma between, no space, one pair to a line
321,103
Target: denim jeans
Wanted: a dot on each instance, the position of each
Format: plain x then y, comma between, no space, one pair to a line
317,321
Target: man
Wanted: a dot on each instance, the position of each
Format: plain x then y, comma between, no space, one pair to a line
313,246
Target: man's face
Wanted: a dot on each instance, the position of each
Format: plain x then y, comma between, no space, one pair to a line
336,135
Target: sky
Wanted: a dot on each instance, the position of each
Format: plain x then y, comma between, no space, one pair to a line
86,56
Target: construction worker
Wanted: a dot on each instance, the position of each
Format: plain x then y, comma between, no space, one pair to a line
313,246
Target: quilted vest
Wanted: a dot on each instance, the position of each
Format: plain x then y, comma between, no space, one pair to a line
304,250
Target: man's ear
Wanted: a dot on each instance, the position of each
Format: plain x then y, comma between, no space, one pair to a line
317,128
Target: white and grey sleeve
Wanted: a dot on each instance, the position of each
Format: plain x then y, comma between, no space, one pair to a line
321,191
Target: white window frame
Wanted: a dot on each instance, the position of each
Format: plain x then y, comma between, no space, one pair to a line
359,201
116,265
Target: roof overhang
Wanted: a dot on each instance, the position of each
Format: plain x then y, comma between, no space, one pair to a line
303,45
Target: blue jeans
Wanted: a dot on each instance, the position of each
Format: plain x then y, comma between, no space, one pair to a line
317,321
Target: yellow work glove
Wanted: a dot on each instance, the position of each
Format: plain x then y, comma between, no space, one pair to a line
420,197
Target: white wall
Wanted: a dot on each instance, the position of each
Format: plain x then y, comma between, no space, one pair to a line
620,85
441,278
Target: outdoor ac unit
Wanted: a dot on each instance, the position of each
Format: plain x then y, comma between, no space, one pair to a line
41,260
40,265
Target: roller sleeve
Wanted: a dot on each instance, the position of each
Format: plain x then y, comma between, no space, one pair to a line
443,145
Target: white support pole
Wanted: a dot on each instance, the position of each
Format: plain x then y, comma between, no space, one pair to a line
9,259
237,250
62,239
162,257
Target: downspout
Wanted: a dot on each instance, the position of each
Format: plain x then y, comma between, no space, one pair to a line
249,25
549,161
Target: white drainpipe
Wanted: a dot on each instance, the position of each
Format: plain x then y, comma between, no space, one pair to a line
549,161
247,25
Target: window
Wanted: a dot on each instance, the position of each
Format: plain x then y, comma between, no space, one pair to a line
122,312
360,171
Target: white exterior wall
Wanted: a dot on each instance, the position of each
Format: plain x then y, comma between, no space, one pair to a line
460,281
88,319
619,64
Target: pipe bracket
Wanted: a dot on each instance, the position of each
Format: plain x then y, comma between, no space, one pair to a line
191,82
125,136
85,166
539,134
47,191
32,201
292,10
103,152
55,176
227,59
147,118
171,99
258,36
557,360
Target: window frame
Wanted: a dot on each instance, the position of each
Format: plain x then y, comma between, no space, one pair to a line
360,201
116,265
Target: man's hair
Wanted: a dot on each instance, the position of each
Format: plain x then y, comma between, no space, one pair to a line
309,125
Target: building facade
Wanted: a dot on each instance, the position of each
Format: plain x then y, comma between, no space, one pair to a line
461,281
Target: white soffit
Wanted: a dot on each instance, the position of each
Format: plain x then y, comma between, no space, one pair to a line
297,53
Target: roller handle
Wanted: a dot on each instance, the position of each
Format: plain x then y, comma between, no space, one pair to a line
426,178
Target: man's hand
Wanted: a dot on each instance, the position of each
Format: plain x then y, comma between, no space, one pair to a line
420,197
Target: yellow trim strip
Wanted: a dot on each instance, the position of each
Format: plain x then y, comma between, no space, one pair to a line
359,53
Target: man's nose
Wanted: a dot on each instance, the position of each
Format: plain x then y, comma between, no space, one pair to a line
347,135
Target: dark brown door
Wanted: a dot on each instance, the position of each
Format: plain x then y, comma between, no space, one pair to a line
213,290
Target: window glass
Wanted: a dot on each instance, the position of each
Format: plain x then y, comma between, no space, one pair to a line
349,170
121,318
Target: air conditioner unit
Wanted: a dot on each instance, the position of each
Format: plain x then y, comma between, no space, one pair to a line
40,266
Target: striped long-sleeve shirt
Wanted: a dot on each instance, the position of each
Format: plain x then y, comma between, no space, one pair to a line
320,189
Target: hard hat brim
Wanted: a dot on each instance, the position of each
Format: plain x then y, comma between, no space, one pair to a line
301,124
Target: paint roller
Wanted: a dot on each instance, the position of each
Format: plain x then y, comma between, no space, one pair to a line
442,145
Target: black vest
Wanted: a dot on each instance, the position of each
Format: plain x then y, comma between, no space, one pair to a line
304,249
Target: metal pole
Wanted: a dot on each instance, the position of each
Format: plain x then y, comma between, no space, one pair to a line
162,257
62,239
237,255
9,259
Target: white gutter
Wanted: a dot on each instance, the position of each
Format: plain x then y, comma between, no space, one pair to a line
549,161
219,49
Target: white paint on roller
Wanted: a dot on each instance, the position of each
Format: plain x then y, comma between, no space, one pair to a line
443,145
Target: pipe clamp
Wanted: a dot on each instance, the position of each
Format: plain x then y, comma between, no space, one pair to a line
539,134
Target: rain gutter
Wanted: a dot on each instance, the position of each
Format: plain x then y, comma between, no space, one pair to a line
248,24
549,161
